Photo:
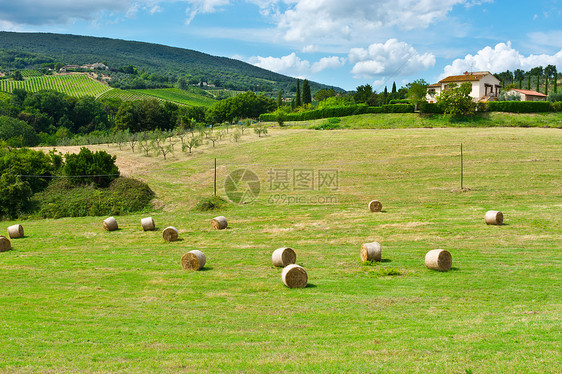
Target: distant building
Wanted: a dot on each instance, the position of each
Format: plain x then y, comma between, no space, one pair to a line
96,66
485,86
527,95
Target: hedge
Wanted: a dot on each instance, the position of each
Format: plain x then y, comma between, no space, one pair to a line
338,111
557,106
519,106
430,108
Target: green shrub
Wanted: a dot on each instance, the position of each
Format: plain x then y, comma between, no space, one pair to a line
211,203
91,167
64,199
400,101
557,106
519,106
554,97
398,108
14,196
430,108
35,167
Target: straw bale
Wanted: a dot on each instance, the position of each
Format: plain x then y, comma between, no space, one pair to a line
283,256
439,259
294,276
193,260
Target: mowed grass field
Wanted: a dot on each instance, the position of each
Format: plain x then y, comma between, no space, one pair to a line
76,298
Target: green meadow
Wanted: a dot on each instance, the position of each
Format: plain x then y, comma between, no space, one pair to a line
76,298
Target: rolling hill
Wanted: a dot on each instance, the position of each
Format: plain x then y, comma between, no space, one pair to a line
30,50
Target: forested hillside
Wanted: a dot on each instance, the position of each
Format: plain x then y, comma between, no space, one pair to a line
166,64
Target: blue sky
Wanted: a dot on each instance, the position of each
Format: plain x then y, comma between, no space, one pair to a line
345,43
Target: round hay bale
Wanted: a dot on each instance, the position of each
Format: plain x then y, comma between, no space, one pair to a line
15,231
493,217
283,257
294,276
110,224
438,259
219,223
371,251
170,234
193,260
147,224
5,244
375,206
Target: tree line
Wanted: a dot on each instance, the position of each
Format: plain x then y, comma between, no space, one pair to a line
46,117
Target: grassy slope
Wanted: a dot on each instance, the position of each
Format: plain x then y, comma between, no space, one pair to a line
76,298
406,120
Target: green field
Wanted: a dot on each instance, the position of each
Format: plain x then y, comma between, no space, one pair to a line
76,298
195,97
76,85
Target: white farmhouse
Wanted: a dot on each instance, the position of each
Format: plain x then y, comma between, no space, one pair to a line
527,95
485,86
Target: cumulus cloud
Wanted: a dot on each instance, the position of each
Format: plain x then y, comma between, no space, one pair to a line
391,58
295,66
500,58
355,17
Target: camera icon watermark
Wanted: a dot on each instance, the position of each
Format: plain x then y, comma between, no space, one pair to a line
242,186
284,186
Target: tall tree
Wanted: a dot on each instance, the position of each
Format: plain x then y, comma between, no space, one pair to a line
298,100
393,87
279,99
529,81
555,87
538,82
546,85
363,93
306,95
385,95
417,91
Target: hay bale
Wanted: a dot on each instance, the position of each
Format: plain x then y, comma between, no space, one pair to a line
15,231
170,234
438,259
493,217
193,260
5,244
147,224
283,257
375,206
371,251
110,224
294,276
219,223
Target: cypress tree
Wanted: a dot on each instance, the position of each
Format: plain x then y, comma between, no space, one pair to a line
306,95
385,95
279,99
298,100
529,81
546,86
538,81
393,87
520,83
555,89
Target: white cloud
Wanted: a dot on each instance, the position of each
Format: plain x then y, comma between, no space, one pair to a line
501,58
389,59
314,19
332,62
294,66
203,6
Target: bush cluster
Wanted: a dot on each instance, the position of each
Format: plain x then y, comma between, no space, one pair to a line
519,106
339,111
63,199
430,108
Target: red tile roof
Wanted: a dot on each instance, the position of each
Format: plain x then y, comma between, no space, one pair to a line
464,78
529,92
